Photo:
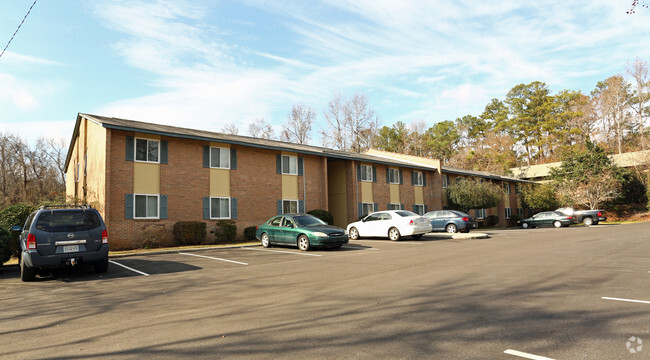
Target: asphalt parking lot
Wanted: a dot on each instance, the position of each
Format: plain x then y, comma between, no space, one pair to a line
571,293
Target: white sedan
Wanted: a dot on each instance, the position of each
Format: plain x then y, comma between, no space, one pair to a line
390,223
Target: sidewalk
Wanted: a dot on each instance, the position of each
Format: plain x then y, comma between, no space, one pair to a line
469,235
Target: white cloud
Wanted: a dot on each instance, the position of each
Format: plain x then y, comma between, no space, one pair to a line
464,94
16,93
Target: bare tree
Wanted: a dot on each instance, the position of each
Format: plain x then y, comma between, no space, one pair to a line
353,124
260,129
56,152
611,103
230,128
640,101
335,115
298,125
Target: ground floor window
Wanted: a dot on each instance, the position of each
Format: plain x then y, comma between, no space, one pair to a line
146,206
418,209
394,207
367,208
480,213
289,206
219,208
508,213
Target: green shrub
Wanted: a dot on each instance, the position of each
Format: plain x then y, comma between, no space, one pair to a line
225,231
15,214
492,220
5,249
249,232
323,215
514,220
189,232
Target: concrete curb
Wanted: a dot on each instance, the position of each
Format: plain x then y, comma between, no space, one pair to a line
470,235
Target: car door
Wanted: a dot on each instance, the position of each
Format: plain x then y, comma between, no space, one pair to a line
384,223
288,230
544,219
367,225
274,230
436,221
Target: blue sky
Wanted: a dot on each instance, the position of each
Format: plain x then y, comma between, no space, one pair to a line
206,64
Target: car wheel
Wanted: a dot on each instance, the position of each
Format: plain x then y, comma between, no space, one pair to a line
266,242
303,243
557,224
525,225
102,266
417,236
451,228
588,221
354,234
26,273
394,234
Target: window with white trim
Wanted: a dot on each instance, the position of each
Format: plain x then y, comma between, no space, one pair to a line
366,173
480,213
506,187
418,178
219,208
393,176
508,213
219,158
147,150
517,189
367,208
418,209
289,206
146,206
289,165
520,212
394,207
445,181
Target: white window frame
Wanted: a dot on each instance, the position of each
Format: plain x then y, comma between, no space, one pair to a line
393,206
290,202
76,173
393,176
229,207
508,213
445,181
135,150
480,213
224,154
506,187
293,162
365,206
366,173
147,196
418,178
420,207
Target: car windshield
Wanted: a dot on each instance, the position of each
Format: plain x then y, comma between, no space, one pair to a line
72,220
308,221
459,214
404,213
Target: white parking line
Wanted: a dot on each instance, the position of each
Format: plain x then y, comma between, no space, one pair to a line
215,258
627,300
525,355
128,268
284,252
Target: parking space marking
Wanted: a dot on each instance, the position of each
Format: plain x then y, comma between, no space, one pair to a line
526,355
128,268
215,258
626,300
284,252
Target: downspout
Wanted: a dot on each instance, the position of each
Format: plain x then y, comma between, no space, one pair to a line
304,183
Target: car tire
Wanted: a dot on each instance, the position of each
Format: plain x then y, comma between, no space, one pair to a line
557,224
451,228
26,273
266,242
417,236
393,234
525,225
303,243
588,221
102,266
353,233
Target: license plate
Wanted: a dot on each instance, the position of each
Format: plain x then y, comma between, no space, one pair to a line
70,248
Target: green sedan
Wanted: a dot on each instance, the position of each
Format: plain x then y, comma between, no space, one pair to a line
301,230
547,218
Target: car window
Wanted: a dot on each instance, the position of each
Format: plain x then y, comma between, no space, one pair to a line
374,217
73,220
386,216
286,222
431,215
28,223
405,213
275,221
308,221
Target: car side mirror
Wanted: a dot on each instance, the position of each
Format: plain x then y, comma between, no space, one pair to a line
16,228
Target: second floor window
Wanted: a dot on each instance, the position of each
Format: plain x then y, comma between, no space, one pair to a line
417,178
445,181
393,176
506,187
289,165
366,173
147,150
219,158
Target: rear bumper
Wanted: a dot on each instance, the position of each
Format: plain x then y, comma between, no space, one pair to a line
416,230
33,259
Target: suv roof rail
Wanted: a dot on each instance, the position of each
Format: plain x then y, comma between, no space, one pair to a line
85,206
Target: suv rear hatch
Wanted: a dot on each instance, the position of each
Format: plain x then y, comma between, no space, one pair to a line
68,232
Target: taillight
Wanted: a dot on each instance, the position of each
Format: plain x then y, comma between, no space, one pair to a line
104,237
411,222
31,241
600,214
465,218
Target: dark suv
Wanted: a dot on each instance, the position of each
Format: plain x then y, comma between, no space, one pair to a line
62,235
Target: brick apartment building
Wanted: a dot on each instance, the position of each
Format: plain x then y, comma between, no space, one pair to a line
142,175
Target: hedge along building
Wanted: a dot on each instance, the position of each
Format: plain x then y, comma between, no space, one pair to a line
142,176
509,205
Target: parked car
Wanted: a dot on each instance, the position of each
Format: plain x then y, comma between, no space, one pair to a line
390,223
451,221
301,230
588,217
547,218
62,235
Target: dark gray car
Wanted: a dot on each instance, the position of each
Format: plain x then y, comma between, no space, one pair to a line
59,236
451,221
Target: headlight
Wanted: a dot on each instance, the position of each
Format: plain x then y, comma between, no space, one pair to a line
320,234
